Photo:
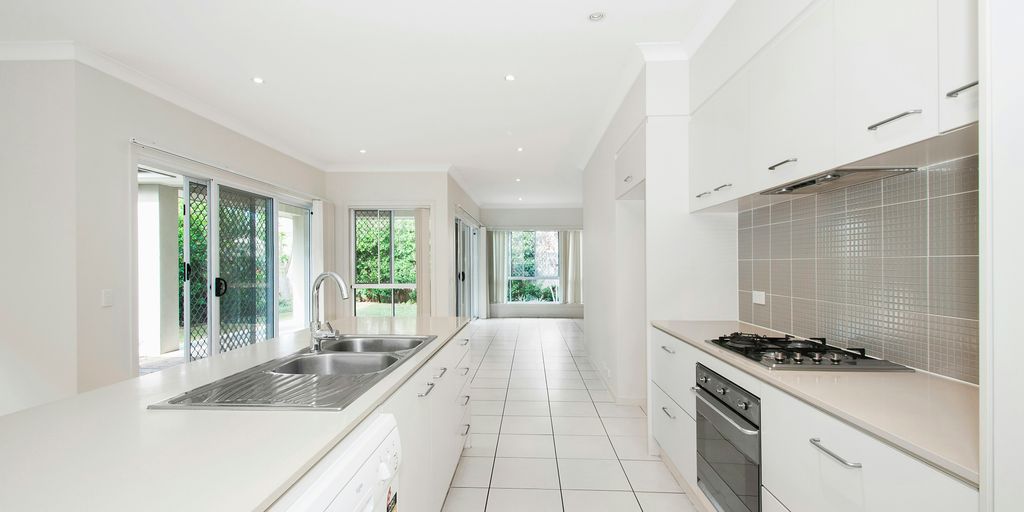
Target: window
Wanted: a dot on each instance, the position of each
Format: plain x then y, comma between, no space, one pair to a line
293,267
385,261
533,274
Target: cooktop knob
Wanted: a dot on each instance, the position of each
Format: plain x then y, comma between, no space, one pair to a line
836,357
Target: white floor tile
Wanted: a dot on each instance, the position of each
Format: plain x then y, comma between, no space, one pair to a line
600,501
480,445
526,425
574,426
526,446
492,374
650,476
620,411
583,447
473,472
625,426
464,499
484,424
486,407
592,475
524,500
487,394
664,502
489,383
527,383
568,395
601,396
526,395
632,448
525,474
584,409
524,408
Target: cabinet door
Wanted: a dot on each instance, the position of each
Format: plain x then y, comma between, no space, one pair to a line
631,161
958,63
674,369
886,75
676,433
719,142
792,102
412,413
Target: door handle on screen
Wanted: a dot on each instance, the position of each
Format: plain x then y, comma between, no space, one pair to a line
220,287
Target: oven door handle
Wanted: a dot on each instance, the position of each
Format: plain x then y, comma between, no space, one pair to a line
737,426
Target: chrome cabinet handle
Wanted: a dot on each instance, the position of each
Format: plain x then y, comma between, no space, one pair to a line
466,401
735,425
443,371
465,342
465,371
817,444
666,349
886,121
628,179
665,410
702,194
430,387
720,187
956,92
788,161
465,430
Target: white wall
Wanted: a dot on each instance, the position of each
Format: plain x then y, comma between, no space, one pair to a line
38,353
532,218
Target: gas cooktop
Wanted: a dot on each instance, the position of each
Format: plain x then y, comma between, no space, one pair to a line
790,353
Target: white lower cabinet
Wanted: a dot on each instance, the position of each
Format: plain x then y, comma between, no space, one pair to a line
676,433
674,365
430,421
812,461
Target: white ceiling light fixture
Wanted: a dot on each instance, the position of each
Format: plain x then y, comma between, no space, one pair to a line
518,180
596,16
520,199
510,78
363,151
257,80
519,150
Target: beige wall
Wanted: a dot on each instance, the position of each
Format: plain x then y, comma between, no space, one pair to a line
38,361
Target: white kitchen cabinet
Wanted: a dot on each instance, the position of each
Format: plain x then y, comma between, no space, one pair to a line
430,422
770,504
674,364
631,161
792,102
886,75
958,63
676,433
860,474
719,144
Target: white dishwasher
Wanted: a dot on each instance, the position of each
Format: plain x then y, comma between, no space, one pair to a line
357,475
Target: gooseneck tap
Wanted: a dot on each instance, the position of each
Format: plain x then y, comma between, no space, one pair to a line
318,332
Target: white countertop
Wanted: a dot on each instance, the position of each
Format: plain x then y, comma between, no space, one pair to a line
103,450
930,417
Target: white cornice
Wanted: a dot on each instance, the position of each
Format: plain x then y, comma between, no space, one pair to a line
380,168
68,50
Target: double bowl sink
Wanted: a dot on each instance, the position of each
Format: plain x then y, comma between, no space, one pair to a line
330,379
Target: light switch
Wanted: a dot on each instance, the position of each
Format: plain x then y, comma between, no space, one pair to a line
759,298
106,298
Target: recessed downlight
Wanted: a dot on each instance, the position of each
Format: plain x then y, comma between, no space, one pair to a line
519,149
363,151
257,80
596,16
518,180
510,78
520,199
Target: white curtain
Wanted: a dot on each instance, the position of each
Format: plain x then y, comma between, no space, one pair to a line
423,306
570,253
499,266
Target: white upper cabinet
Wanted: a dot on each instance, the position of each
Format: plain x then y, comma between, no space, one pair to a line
792,102
719,142
958,63
886,75
631,161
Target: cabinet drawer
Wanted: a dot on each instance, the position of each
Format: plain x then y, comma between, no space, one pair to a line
676,433
674,369
860,474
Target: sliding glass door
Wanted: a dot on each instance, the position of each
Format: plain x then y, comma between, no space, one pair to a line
245,282
194,243
386,256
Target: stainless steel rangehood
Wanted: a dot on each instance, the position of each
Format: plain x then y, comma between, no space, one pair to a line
838,178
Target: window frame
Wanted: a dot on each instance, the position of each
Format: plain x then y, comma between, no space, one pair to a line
557,277
379,286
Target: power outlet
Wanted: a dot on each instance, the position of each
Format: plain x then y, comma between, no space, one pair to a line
106,298
759,298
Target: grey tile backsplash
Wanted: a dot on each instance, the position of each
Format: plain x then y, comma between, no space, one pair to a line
891,266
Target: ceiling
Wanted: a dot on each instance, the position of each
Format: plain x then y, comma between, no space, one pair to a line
417,84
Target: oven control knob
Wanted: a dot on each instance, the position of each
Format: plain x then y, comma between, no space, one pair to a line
722,391
743,404
704,379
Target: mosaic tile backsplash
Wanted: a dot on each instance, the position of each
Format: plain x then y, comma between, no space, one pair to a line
891,266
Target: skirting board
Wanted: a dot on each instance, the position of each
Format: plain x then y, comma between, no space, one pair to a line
536,310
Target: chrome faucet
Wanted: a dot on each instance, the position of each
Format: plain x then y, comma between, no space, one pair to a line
318,332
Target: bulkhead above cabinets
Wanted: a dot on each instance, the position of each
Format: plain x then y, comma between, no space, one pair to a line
845,81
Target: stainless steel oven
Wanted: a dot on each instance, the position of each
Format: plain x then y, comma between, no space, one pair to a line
728,443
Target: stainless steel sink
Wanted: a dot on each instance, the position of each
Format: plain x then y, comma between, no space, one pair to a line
337,364
325,381
374,343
